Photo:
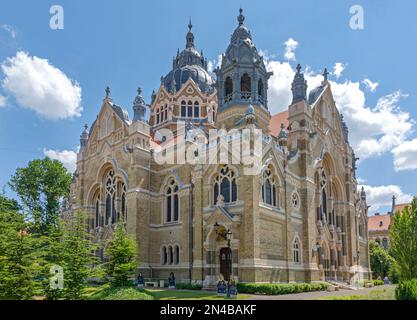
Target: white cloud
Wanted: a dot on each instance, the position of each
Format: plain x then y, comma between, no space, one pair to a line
10,30
213,64
381,196
290,46
405,156
38,85
338,69
361,181
3,101
373,130
371,86
67,157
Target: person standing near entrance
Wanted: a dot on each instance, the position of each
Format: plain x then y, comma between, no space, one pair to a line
171,281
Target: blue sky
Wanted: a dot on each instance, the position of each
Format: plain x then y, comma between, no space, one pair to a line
127,44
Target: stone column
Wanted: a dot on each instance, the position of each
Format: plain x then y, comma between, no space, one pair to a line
197,224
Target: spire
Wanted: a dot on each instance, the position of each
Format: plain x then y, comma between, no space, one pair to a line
282,136
84,137
240,17
393,204
299,86
139,107
363,194
190,36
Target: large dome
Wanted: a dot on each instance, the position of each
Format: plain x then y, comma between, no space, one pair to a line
180,75
189,64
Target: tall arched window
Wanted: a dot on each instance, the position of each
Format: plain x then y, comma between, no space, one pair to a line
260,88
171,255
322,184
183,109
164,255
190,109
196,110
123,204
166,113
245,83
228,89
97,213
110,198
177,255
225,184
172,202
269,188
157,116
296,251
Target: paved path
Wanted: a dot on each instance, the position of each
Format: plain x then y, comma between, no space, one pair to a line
318,294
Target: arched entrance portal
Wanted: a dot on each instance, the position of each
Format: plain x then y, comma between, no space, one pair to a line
226,263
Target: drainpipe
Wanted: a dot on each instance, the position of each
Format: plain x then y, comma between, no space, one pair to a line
190,230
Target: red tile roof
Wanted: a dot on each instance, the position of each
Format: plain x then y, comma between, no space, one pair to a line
399,207
275,122
379,222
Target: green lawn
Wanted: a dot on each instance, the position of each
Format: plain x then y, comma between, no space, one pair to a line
165,294
377,294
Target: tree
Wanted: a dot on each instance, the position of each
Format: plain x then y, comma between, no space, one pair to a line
403,236
76,255
18,254
121,252
41,186
381,261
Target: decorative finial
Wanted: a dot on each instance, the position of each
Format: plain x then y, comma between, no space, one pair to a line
85,127
107,92
190,25
298,68
139,91
282,126
325,73
240,17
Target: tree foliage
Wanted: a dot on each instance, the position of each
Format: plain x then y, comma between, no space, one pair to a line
381,261
403,236
121,252
18,254
41,186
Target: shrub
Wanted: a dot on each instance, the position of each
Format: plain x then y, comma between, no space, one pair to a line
279,289
378,282
406,290
188,286
121,293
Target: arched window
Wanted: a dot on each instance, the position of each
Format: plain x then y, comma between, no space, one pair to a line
166,113
190,109
269,189
225,184
228,89
296,252
110,198
245,83
260,88
172,202
171,255
157,116
97,209
183,109
322,184
164,255
123,204
177,255
196,110
385,243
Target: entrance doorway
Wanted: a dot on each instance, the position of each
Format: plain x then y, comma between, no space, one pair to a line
226,263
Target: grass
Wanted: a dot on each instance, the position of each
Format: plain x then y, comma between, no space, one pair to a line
385,294
122,293
163,294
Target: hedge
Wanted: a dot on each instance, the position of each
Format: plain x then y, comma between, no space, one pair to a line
121,293
406,290
188,286
278,289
